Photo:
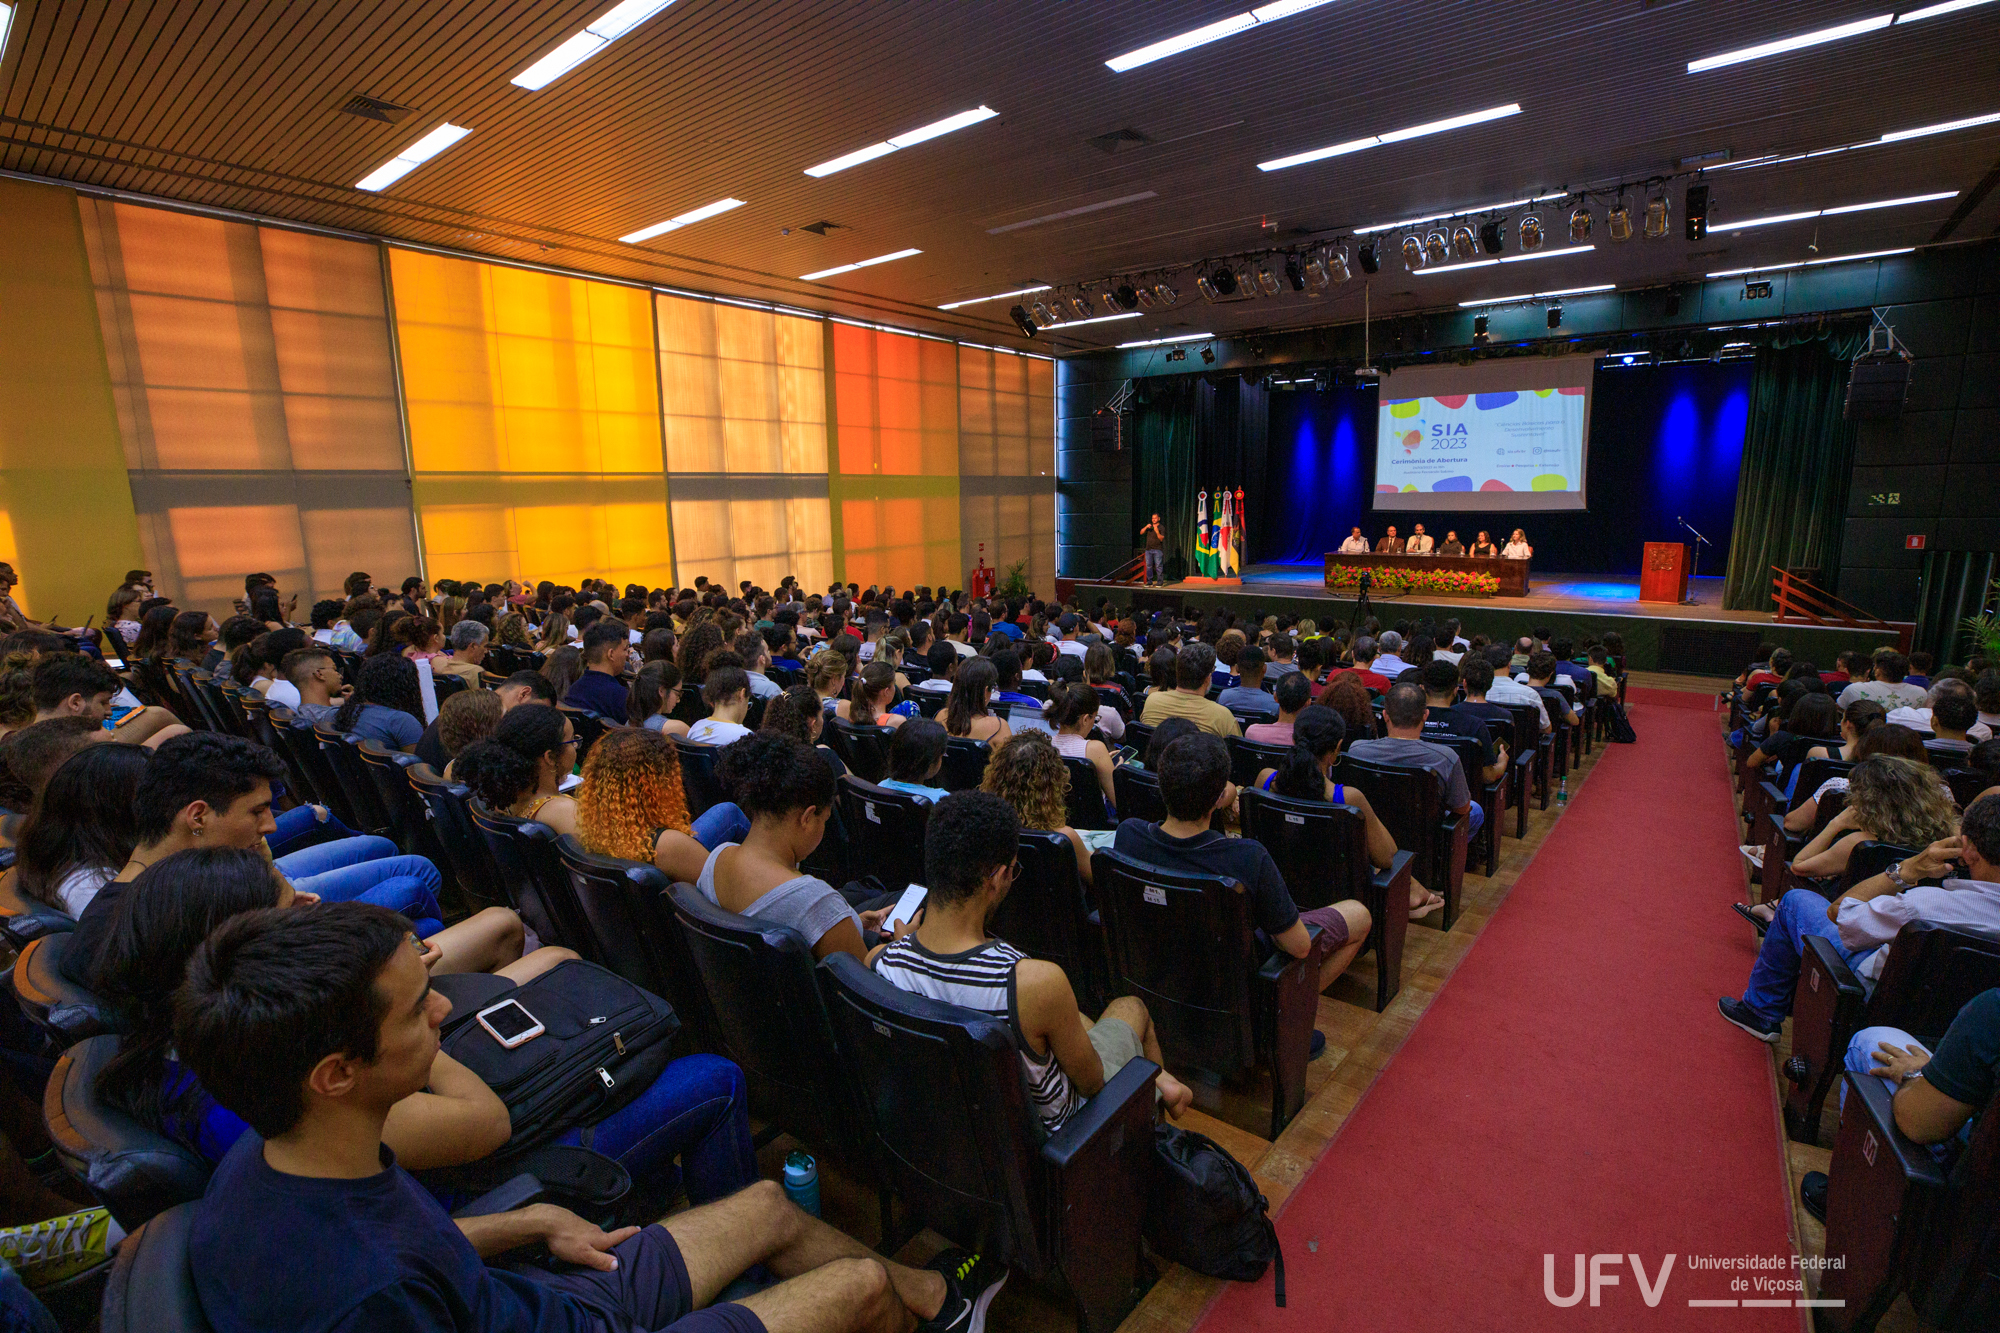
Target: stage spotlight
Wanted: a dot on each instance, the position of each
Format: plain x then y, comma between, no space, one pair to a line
1493,236
1126,295
1336,265
1110,300
1246,282
1267,279
1555,316
1435,251
1696,217
1023,321
1618,222
1043,315
1314,271
1208,356
1369,258
1295,273
1480,337
1167,293
1529,234
1079,307
1757,289
1177,354
1145,297
1656,218
1462,243
1579,226
1413,253
1225,281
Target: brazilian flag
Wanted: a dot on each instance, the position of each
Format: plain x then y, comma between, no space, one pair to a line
1207,562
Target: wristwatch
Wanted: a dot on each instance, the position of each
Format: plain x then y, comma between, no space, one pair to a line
1894,872
1909,1076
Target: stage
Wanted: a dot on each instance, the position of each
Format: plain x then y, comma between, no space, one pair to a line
1699,638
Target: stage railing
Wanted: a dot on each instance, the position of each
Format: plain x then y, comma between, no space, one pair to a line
1801,602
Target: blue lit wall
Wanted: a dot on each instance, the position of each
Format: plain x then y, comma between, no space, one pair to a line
1664,442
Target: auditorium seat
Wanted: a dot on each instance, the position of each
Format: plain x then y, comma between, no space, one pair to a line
531,876
885,831
865,750
1410,804
463,845
950,1122
964,763
1084,796
365,813
134,1171
698,780
65,1012
1185,945
23,918
1490,796
1047,915
628,926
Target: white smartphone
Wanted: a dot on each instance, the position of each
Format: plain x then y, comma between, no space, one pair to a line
510,1024
905,908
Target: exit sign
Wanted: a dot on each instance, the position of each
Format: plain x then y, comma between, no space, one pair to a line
1914,542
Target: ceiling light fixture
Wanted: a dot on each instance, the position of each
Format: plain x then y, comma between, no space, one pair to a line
693,215
1462,242
1023,321
1811,263
1776,218
1295,274
1368,258
1797,42
1943,127
1163,342
1457,213
1213,32
1493,236
1393,136
1336,265
997,296
1528,235
1579,225
865,263
1618,222
1541,296
1933,11
587,42
1656,218
904,140
1556,315
1167,293
6,22
1694,212
407,161
1103,319
1436,250
1413,253
1267,279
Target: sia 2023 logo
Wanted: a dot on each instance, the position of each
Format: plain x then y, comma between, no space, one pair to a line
1443,435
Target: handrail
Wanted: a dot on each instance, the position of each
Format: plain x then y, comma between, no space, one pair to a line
1800,601
1132,571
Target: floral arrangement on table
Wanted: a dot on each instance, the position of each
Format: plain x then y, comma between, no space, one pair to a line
1452,582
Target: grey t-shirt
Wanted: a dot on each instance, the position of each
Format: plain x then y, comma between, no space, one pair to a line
1419,754
1902,694
807,904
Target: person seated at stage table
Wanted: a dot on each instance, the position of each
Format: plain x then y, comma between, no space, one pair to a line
1483,547
1420,543
1390,544
1356,544
1189,698
1517,547
1451,545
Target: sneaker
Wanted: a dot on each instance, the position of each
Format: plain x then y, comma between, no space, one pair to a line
1812,1193
1743,1016
1753,854
46,1252
971,1281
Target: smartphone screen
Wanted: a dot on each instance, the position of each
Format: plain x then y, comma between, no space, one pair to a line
510,1020
906,907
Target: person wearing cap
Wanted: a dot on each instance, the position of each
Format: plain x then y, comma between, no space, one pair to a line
1067,643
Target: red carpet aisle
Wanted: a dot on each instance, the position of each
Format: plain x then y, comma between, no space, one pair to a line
1571,1091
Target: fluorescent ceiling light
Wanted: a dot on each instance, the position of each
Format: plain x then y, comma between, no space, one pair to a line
997,296
587,42
1392,136
407,161
1793,43
1932,11
1541,296
1718,225
1811,263
676,223
1162,342
6,22
1101,319
1897,136
1832,212
904,140
1212,32
1893,203
1454,268
1547,254
1727,346
865,263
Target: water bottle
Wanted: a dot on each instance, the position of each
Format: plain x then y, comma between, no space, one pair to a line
1562,790
802,1181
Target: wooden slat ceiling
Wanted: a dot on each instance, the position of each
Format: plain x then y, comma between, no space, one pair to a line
237,104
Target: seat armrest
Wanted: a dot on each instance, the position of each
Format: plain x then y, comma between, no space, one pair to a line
1098,1115
519,1192
1098,1168
1827,955
1398,874
1273,970
1919,1167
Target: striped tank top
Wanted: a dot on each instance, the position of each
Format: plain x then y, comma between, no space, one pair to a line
982,980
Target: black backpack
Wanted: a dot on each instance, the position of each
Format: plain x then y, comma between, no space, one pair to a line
1204,1210
606,1041
1620,730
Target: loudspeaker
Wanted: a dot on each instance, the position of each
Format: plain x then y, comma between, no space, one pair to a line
1877,387
1107,431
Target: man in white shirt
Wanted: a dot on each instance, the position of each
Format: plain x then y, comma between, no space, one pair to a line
1356,544
1888,688
1420,542
1388,661
1510,692
727,693
1068,644
1868,916
1952,716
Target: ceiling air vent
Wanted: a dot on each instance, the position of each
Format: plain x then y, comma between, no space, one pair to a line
374,108
822,228
1117,141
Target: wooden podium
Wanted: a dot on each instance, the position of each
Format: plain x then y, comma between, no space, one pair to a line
1663,574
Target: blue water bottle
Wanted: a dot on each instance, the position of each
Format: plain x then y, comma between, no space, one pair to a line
802,1181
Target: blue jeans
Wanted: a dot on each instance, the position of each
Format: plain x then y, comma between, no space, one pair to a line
369,869
1475,820
697,1110
720,823
1156,565
1775,976
302,827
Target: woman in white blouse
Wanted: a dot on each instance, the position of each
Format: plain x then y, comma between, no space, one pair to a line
1517,547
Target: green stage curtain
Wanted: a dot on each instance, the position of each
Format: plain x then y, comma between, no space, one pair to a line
1798,454
1187,442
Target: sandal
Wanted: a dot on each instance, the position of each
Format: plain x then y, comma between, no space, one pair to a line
1759,922
1431,904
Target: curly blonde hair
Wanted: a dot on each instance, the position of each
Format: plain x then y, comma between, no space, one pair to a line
1900,801
631,790
827,670
1029,775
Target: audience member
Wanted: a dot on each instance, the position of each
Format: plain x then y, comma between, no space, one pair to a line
916,757
1291,695
1889,686
80,832
1193,666
385,705
520,769
727,694
601,689
1404,712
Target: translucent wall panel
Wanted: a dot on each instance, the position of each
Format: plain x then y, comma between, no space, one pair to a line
252,375
534,422
895,482
743,409
1006,460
